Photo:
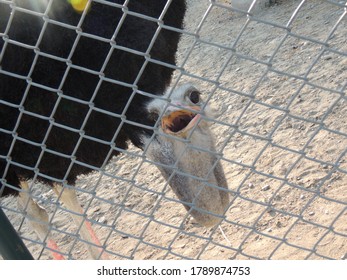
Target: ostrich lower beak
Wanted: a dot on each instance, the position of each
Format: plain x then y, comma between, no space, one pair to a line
193,171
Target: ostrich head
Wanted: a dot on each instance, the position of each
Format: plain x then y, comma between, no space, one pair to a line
183,150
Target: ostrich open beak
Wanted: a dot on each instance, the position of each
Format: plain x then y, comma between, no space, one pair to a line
192,170
180,122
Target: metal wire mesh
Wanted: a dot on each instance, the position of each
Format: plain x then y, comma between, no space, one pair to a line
277,76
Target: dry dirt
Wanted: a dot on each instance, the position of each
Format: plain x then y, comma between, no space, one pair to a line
282,132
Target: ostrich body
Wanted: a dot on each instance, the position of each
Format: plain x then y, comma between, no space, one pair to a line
74,89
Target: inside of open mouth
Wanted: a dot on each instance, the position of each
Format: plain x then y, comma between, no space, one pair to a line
177,120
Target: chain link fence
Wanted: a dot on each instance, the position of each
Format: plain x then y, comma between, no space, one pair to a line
276,75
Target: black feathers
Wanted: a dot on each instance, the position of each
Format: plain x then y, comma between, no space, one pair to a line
65,88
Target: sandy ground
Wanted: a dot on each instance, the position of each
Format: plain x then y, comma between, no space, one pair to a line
282,133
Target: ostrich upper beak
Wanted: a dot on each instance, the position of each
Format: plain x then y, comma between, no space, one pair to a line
193,171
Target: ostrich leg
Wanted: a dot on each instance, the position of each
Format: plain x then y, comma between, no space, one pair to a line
69,199
37,218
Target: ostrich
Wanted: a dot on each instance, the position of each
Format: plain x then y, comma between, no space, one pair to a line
76,85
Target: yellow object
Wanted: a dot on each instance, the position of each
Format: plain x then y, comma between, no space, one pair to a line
78,5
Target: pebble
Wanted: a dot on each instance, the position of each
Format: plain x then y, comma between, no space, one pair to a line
302,196
272,213
265,188
251,186
329,57
102,220
311,213
96,209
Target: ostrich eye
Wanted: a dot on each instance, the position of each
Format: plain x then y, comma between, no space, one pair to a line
194,97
